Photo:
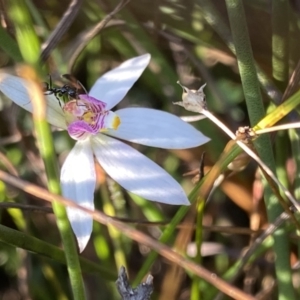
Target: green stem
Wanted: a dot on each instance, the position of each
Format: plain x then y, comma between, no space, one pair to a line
256,112
245,60
195,290
280,40
27,242
26,36
295,143
9,45
293,41
281,156
115,235
45,141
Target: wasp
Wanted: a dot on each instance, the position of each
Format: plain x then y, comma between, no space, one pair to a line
72,90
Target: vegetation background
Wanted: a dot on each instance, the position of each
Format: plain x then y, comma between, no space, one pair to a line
195,42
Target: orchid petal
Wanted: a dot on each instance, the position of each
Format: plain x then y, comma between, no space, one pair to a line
16,88
157,129
78,180
114,85
137,173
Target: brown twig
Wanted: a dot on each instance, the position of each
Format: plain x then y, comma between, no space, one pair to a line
212,228
134,234
8,165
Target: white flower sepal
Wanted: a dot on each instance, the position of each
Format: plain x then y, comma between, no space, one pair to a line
90,121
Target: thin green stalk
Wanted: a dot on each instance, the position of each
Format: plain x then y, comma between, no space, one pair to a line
293,41
115,235
263,144
45,141
295,143
245,60
280,41
195,289
26,36
27,242
281,157
54,280
148,208
9,45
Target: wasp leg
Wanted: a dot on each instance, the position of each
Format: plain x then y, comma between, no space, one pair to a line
58,101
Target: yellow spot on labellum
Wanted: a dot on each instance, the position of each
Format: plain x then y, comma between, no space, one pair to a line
116,123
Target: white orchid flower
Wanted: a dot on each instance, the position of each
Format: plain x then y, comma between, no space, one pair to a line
98,130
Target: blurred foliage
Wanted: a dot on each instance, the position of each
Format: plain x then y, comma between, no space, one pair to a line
185,45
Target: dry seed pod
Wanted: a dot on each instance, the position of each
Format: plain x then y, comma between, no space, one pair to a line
193,100
245,135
